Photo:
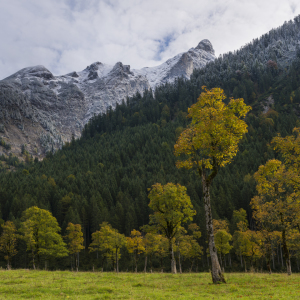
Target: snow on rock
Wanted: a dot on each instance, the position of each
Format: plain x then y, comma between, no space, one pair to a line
62,105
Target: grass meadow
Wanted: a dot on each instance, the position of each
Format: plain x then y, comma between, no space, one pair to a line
29,284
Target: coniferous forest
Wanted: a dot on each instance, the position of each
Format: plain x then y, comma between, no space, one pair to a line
102,180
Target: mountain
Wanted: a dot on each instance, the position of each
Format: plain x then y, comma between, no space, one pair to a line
42,111
275,50
105,175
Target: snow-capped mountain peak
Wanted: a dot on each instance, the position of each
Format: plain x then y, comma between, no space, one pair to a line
59,106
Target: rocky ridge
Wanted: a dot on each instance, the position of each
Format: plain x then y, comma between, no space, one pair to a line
40,111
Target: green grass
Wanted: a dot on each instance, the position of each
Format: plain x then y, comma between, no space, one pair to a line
24,284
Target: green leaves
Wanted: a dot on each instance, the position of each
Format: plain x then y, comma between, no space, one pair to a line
8,241
75,238
172,207
41,233
107,240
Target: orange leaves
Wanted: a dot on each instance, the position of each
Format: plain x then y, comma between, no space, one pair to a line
135,242
216,128
277,201
220,225
270,178
289,147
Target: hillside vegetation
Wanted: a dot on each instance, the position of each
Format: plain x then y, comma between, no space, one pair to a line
105,175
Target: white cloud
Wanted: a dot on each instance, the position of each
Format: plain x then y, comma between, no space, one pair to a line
67,35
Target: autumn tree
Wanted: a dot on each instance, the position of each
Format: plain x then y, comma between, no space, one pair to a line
179,239
220,225
187,245
289,148
8,241
101,242
210,142
162,249
276,204
189,249
172,207
293,241
151,244
135,245
222,238
41,234
241,242
75,241
117,241
109,241
267,240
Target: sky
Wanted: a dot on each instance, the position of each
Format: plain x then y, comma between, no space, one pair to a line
69,35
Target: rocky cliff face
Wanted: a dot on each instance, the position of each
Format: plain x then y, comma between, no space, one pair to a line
42,111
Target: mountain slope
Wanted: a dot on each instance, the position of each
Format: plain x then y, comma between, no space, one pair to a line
43,110
105,175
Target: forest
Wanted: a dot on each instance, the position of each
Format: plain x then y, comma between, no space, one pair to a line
99,184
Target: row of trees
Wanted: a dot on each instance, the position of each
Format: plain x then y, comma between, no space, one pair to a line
276,207
253,247
41,232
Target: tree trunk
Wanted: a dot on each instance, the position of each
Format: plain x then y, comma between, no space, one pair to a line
33,263
286,253
191,267
117,261
207,261
269,266
146,260
216,271
241,260
8,264
221,262
179,262
76,261
245,264
135,262
280,248
273,257
102,263
150,263
173,261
